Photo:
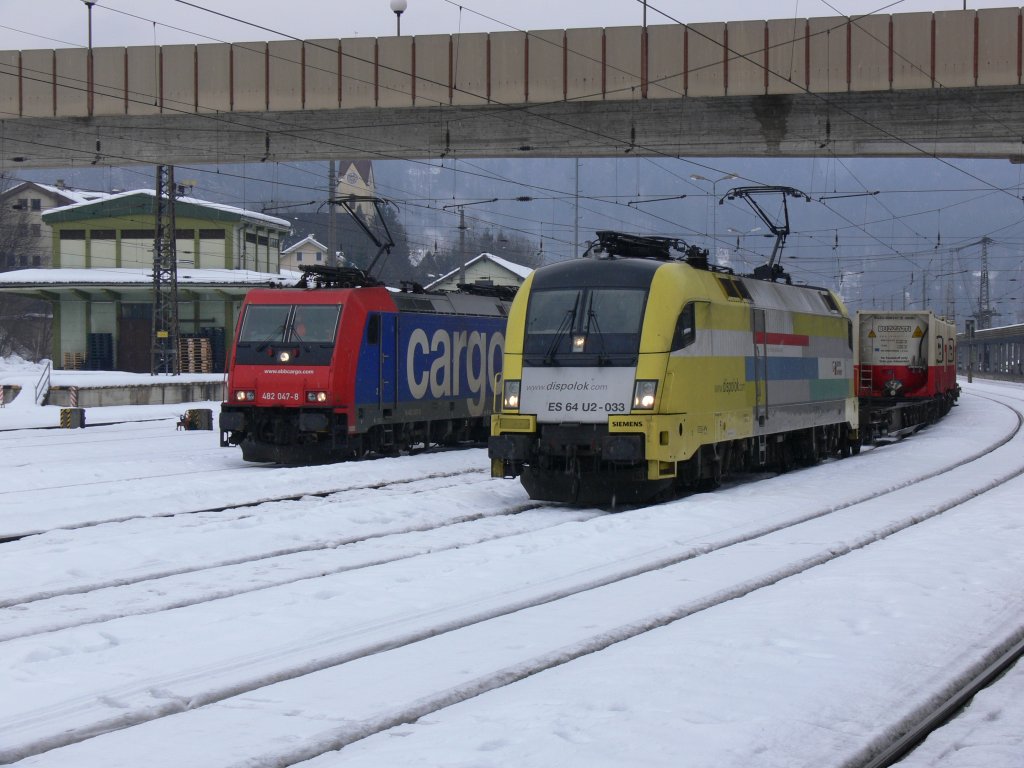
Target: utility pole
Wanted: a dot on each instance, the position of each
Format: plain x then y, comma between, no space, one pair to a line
164,349
576,213
332,237
462,244
89,74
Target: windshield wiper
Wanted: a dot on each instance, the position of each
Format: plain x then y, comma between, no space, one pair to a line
602,358
276,335
567,322
294,335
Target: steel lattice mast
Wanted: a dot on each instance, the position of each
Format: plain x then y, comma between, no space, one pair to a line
165,278
985,311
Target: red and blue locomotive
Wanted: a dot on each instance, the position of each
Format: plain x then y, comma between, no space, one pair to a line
343,366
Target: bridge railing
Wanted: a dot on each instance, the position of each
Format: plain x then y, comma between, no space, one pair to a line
944,49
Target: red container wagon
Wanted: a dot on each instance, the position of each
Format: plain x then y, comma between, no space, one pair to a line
905,369
331,372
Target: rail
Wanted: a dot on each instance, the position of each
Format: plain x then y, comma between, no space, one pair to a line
43,385
916,735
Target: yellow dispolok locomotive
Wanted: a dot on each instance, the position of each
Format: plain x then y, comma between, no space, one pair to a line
631,375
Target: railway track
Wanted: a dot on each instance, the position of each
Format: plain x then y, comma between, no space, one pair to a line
93,603
564,571
159,497
242,507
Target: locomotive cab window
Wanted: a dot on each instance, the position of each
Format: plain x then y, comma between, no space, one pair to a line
279,323
686,328
830,303
584,326
288,334
314,323
264,323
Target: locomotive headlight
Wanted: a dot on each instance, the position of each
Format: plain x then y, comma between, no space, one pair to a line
578,343
245,395
643,394
316,397
284,357
510,396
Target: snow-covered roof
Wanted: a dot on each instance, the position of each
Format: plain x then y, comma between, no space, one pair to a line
241,213
517,269
77,196
308,239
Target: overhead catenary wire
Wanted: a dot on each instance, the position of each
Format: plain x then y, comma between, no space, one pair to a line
510,181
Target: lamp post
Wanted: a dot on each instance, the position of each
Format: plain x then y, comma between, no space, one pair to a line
399,6
714,195
88,67
742,233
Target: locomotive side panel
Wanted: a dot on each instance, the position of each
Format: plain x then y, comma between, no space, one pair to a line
422,367
807,358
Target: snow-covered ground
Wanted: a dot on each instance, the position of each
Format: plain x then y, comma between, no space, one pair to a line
419,613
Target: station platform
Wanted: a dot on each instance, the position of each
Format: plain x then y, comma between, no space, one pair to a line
33,395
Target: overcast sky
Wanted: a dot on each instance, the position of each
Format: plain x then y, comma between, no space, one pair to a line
64,23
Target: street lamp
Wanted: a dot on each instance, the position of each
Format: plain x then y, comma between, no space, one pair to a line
399,6
89,4
714,194
742,233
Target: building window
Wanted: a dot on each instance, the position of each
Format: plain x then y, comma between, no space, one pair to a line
298,256
250,237
319,256
36,261
72,234
274,242
103,234
262,240
22,204
211,234
37,204
37,230
184,234
138,234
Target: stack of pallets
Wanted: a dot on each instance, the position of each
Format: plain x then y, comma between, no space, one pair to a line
195,355
74,361
216,337
100,355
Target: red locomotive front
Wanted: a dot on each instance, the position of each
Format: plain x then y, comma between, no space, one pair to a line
291,381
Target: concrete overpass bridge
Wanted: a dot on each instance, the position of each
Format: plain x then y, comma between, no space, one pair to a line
917,84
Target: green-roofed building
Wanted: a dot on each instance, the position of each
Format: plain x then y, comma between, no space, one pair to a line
101,283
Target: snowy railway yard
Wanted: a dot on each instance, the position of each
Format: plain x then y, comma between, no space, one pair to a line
163,603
